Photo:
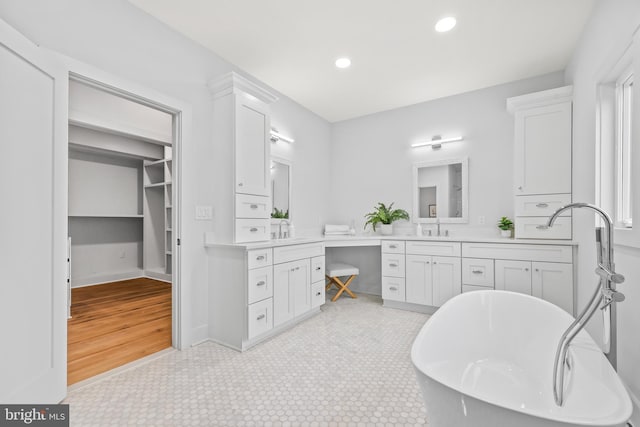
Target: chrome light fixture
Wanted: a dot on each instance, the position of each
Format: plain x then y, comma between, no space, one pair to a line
437,141
276,136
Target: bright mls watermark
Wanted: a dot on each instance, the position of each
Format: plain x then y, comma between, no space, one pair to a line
34,415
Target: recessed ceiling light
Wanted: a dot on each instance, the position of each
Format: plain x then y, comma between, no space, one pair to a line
343,62
445,24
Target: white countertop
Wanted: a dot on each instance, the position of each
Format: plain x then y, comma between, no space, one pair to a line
373,240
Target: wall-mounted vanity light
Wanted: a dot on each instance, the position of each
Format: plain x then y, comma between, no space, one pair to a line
437,141
276,136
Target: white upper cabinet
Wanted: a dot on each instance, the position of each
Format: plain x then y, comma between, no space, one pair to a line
542,141
252,149
241,131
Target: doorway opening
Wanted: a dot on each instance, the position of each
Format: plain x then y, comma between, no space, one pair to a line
122,226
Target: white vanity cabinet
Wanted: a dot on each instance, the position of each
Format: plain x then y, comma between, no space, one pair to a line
393,270
420,272
241,124
544,271
292,290
297,273
256,293
546,280
432,280
542,149
477,274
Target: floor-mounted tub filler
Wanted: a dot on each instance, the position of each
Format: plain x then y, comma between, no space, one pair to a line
486,359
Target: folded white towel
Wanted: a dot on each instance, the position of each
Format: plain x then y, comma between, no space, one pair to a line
333,228
337,233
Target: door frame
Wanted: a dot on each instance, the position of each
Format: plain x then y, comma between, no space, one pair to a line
182,121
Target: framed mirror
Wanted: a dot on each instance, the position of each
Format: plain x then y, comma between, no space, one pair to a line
441,191
280,189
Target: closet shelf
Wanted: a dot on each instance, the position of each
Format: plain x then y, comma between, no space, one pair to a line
154,163
88,121
156,185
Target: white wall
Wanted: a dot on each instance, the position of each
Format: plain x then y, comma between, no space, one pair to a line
117,37
606,36
372,159
372,156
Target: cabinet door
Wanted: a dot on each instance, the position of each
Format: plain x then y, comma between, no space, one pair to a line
301,281
418,284
252,150
282,293
543,149
553,282
513,276
447,279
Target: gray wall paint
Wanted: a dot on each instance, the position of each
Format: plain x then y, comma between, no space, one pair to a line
606,36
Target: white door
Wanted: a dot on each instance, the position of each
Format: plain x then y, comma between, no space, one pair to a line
33,172
419,285
447,279
301,278
553,282
253,152
282,293
513,276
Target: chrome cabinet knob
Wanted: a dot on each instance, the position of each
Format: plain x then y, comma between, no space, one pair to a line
262,316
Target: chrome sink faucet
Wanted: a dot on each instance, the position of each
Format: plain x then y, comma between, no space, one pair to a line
280,234
604,298
438,225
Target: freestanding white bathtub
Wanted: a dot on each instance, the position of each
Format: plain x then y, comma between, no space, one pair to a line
485,359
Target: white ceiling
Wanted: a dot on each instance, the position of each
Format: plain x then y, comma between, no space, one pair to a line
397,57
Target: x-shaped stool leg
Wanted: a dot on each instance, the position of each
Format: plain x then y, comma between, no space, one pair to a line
342,287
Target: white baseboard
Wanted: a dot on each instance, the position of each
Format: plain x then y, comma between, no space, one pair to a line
199,335
158,275
99,279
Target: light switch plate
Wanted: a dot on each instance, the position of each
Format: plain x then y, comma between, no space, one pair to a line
204,212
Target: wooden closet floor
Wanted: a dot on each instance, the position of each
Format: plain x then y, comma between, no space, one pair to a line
116,323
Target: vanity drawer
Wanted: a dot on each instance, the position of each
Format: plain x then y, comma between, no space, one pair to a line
426,247
535,228
317,294
393,265
317,269
259,257
260,284
542,204
514,251
249,206
259,318
294,252
252,230
393,288
392,247
477,271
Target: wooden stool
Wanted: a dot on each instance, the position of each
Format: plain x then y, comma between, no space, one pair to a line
336,270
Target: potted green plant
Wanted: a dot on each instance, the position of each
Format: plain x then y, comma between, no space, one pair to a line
385,216
277,213
506,226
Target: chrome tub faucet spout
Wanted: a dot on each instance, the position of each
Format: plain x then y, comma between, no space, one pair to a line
604,297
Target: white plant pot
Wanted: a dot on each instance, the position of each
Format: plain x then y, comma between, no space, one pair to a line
386,229
505,233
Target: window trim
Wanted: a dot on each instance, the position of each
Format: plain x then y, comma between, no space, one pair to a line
622,146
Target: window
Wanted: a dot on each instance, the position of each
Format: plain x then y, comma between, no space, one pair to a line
623,117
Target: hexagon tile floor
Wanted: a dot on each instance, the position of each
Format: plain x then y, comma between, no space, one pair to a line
348,366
